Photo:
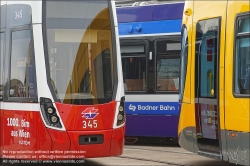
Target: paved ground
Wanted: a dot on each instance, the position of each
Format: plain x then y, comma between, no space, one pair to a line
147,155
158,155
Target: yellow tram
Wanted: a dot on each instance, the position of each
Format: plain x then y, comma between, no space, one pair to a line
215,80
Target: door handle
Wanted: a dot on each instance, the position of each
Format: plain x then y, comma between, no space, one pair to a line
212,91
210,76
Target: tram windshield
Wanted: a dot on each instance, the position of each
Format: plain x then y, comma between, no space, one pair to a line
79,50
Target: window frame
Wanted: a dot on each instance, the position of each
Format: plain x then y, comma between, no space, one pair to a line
183,50
216,64
105,98
21,99
1,63
129,42
239,16
168,40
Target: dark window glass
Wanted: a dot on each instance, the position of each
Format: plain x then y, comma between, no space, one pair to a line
1,62
80,51
167,65
242,60
103,77
134,67
22,73
184,56
132,49
243,25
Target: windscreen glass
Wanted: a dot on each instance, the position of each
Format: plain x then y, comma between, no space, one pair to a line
79,51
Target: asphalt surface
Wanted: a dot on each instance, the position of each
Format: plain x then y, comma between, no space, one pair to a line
146,154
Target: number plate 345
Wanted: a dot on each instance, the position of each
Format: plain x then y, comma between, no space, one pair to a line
89,124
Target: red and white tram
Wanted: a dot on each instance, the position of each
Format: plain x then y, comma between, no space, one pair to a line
61,85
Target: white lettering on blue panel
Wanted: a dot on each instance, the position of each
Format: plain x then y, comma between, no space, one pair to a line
147,107
167,108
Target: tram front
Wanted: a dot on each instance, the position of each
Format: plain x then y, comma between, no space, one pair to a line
83,108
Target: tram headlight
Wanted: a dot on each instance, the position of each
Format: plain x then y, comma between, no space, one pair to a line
50,110
49,113
120,108
54,119
119,116
121,112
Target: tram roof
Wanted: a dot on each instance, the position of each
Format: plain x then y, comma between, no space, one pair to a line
155,12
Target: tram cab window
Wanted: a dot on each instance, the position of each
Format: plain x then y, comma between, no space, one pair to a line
242,62
22,73
1,62
167,65
134,67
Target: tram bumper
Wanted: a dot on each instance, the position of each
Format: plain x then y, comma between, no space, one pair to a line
101,143
89,130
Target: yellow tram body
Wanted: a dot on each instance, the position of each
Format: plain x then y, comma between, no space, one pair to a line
215,80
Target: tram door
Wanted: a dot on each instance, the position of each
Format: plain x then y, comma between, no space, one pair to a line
206,85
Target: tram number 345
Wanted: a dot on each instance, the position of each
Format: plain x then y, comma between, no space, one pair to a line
89,124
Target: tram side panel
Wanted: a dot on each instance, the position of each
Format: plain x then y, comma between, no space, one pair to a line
187,121
237,89
2,26
1,88
22,126
150,58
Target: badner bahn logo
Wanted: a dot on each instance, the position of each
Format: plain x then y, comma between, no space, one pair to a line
132,107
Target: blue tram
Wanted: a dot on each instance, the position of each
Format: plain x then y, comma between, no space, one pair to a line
150,48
